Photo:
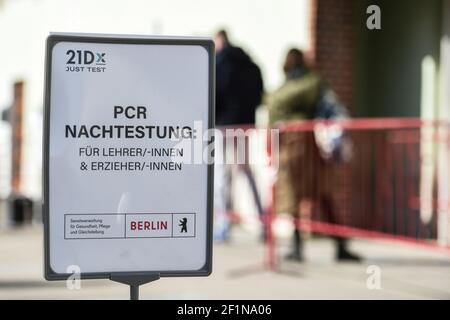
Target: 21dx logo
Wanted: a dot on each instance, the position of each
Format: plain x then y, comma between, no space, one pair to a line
85,61
85,57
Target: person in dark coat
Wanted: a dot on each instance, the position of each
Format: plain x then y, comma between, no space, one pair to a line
239,85
239,90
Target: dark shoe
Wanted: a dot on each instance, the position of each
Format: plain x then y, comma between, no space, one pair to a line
296,249
345,255
295,257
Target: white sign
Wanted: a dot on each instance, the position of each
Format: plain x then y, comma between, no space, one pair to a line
120,192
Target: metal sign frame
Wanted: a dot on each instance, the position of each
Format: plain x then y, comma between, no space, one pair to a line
132,278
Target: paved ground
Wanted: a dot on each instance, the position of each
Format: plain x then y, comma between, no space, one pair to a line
407,272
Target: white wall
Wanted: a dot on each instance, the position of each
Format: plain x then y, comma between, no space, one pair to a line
444,114
5,160
266,28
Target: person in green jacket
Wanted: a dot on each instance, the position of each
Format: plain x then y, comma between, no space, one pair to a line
304,179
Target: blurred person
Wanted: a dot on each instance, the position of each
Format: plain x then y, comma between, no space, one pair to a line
239,88
305,176
239,84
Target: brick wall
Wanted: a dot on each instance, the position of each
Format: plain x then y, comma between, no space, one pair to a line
17,137
332,44
331,53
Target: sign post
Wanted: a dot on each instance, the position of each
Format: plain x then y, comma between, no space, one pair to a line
126,197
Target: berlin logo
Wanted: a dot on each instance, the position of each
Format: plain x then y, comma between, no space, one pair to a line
183,225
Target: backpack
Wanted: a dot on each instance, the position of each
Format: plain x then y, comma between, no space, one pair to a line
333,142
251,90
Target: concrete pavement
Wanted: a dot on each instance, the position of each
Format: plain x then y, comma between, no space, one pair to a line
407,272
